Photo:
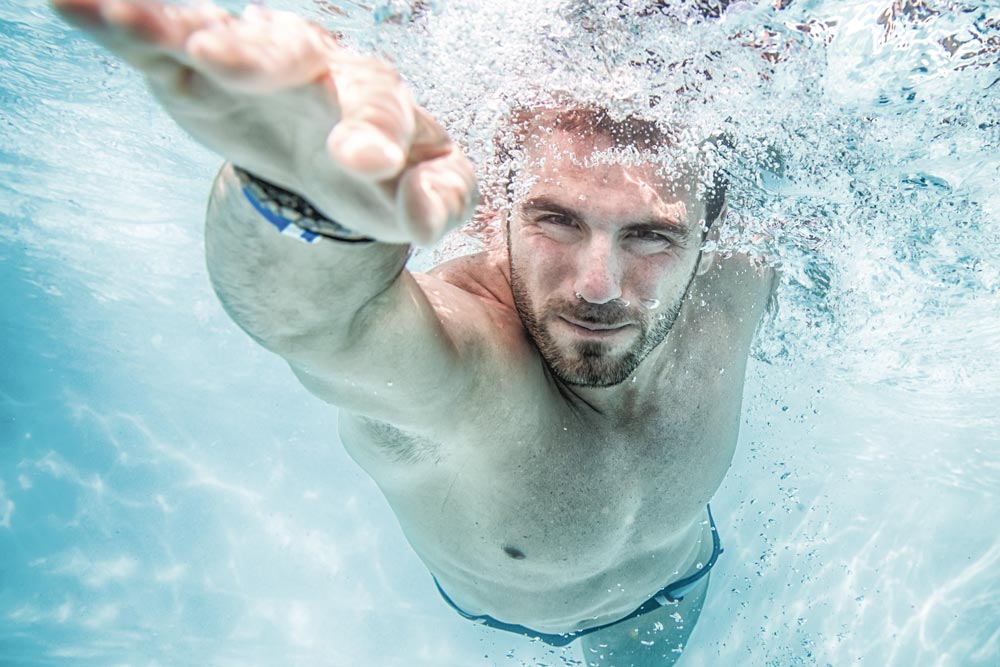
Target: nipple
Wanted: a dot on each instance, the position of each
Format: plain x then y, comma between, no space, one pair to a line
513,552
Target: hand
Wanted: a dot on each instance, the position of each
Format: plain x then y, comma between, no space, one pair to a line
277,96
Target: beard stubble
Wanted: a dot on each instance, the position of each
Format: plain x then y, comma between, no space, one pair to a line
592,363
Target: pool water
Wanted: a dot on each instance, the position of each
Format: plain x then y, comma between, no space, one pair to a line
170,496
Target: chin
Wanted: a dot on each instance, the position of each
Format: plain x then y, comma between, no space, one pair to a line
595,370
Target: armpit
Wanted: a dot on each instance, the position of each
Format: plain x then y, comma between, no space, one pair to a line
396,444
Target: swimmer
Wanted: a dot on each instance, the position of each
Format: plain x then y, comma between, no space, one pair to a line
549,419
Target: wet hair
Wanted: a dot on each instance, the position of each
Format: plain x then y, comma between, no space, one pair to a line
588,121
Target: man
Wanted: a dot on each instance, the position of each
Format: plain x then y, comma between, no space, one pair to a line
548,421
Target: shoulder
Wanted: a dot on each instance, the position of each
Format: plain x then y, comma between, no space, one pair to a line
482,274
471,297
474,290
730,300
739,286
508,363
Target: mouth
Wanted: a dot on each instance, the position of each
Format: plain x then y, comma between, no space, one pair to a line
594,329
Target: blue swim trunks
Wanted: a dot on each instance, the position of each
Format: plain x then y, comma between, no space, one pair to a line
672,593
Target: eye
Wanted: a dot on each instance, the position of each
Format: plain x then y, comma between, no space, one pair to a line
556,219
648,236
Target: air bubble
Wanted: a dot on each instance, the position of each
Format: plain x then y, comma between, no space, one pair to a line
651,304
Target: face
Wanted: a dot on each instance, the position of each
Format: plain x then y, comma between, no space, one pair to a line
601,259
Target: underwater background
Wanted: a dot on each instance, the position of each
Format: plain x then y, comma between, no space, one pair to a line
169,495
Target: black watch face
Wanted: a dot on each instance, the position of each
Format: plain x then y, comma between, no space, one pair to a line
332,229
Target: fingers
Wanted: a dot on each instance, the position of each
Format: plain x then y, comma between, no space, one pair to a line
142,31
261,51
430,140
436,196
377,124
212,70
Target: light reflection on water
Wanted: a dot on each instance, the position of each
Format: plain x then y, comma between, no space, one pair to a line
168,495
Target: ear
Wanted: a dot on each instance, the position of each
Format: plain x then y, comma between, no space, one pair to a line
503,221
708,257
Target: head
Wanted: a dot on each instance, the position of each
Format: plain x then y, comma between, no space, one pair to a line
603,252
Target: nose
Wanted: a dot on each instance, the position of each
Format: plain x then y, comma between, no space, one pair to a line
599,272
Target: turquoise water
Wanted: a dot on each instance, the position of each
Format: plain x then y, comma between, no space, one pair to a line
170,496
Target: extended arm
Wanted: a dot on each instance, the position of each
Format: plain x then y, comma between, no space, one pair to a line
277,96
353,324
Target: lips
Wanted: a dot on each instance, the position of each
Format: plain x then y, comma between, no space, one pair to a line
595,328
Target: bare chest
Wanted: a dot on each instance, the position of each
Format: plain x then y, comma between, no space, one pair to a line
541,493
605,483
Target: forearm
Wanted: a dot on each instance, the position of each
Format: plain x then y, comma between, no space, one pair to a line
286,294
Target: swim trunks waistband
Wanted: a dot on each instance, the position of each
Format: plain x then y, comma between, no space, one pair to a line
672,593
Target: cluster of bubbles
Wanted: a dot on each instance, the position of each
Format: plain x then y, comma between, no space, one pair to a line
861,144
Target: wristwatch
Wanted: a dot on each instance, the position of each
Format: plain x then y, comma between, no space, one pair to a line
291,214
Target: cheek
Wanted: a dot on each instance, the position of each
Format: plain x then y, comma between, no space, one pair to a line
649,273
543,263
657,278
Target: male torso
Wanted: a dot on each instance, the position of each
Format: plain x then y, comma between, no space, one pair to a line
535,507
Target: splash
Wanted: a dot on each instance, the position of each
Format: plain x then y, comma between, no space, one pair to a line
860,141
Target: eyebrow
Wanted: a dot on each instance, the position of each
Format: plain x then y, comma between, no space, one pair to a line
656,224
